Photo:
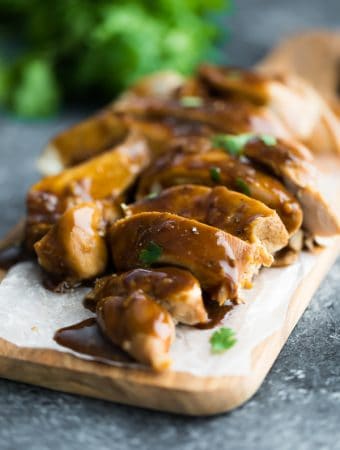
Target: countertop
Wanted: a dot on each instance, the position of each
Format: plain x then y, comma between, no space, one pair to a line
297,407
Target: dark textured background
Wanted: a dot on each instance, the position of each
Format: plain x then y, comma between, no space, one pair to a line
298,406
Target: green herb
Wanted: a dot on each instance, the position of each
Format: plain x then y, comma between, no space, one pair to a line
232,143
191,102
152,195
222,340
83,49
235,143
243,186
150,254
268,139
215,174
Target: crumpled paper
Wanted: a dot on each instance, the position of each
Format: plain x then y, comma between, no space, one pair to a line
30,315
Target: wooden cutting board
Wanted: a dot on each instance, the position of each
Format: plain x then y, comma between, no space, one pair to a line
175,392
171,391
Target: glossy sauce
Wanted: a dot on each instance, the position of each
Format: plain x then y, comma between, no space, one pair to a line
86,337
207,252
182,167
219,207
216,314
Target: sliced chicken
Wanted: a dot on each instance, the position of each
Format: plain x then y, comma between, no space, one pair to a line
234,116
103,130
294,166
230,211
235,82
216,167
74,249
299,107
82,141
103,179
175,289
140,326
221,262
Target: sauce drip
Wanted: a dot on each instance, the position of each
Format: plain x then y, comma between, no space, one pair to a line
216,314
85,337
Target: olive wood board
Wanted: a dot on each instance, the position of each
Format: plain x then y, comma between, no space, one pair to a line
171,391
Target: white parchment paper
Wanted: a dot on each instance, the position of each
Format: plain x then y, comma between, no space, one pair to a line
30,314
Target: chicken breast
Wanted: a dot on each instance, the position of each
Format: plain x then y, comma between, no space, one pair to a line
294,166
140,326
177,290
232,116
211,166
221,262
103,130
74,249
230,211
82,141
102,179
299,108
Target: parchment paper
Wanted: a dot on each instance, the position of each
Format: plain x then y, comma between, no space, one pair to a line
30,314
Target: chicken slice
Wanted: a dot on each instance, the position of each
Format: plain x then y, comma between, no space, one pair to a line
177,290
206,166
140,326
299,108
74,249
294,166
103,130
103,179
221,262
234,116
236,82
230,211
82,141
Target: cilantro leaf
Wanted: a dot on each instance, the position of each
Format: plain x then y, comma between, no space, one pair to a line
215,174
268,139
152,195
150,254
235,143
243,186
222,340
191,102
93,49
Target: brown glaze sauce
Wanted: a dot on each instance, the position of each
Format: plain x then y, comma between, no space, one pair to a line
216,314
86,337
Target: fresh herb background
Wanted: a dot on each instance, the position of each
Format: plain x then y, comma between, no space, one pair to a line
71,50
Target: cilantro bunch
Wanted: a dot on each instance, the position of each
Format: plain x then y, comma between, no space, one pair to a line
53,51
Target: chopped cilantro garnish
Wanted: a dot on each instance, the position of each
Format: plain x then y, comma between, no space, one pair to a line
268,139
243,186
152,195
222,340
215,174
235,143
150,254
191,102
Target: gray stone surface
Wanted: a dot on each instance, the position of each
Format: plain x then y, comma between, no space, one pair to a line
298,406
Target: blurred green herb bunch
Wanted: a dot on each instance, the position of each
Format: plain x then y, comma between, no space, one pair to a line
57,50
